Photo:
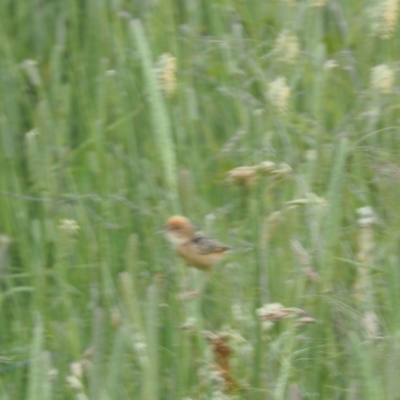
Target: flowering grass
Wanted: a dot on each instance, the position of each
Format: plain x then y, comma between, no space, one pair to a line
273,125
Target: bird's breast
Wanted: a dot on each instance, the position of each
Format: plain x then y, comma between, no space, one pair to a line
190,253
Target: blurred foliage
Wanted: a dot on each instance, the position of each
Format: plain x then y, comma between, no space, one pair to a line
94,158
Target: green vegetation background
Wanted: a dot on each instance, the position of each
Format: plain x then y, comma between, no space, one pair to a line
87,135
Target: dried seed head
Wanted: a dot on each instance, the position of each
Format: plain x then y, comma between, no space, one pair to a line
366,242
245,175
233,141
310,199
222,351
330,64
367,216
267,167
287,47
276,311
190,324
297,202
74,382
384,18
312,275
270,224
278,94
305,261
165,70
68,225
283,170
270,313
382,78
305,320
76,369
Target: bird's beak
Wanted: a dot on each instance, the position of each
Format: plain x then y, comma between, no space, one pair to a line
163,230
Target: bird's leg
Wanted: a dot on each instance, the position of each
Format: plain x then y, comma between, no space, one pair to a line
199,281
193,283
202,278
189,291
185,283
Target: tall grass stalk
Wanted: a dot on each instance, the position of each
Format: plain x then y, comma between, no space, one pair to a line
40,385
88,137
151,379
160,120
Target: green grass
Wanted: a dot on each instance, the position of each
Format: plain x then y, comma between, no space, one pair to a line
108,150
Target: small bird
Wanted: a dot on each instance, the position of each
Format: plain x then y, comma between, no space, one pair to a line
197,250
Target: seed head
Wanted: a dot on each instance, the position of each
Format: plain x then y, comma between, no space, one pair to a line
287,47
267,167
330,64
246,175
74,382
384,18
69,226
279,94
382,78
367,216
165,69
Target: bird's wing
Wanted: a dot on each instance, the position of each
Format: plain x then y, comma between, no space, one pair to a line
205,245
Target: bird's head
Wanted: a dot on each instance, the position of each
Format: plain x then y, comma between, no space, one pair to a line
178,230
